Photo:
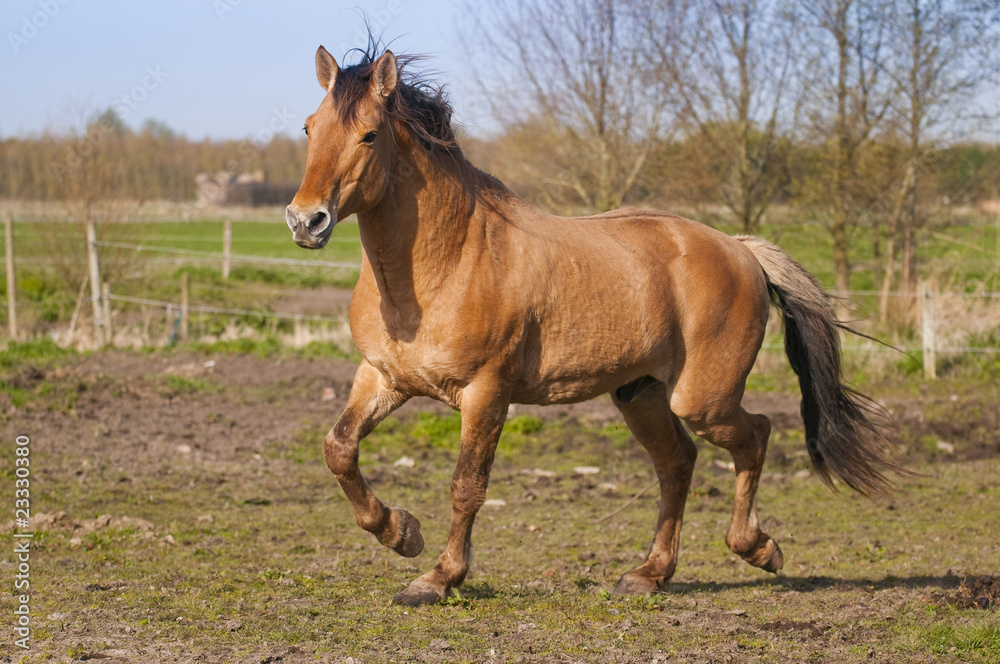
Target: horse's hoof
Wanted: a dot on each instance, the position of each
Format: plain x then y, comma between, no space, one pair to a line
402,534
421,592
634,583
766,555
775,559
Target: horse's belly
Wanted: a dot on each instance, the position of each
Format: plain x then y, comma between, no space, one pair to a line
573,371
568,390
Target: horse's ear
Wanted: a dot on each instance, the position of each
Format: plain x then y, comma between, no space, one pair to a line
326,69
386,76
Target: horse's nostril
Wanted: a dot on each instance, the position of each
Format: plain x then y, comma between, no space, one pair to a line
317,220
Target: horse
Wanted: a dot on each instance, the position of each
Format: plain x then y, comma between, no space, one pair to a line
469,295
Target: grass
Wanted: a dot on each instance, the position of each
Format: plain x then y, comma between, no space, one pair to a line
49,278
260,558
294,571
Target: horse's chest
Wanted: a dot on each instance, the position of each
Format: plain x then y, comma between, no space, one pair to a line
415,368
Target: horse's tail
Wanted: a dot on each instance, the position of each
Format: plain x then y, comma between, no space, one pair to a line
847,434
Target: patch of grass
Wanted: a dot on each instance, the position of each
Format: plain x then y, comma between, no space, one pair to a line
39,351
175,385
22,364
618,433
978,641
267,346
327,350
443,431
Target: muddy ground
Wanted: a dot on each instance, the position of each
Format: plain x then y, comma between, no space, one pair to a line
123,406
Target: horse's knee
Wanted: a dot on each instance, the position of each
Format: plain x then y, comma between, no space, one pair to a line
340,451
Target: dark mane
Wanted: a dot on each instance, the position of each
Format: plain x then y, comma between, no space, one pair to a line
416,102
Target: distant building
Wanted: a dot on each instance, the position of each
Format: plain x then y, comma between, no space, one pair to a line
246,189
989,207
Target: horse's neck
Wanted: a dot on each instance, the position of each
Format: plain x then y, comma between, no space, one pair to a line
413,238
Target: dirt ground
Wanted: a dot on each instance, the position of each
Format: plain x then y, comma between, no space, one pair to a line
138,414
122,397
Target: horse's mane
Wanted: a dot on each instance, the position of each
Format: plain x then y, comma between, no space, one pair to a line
418,103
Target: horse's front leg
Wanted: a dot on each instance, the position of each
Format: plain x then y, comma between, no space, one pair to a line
371,400
484,408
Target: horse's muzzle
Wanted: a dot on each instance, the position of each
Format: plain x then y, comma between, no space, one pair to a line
309,230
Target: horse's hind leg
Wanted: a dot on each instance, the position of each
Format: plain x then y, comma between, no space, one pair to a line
745,436
673,454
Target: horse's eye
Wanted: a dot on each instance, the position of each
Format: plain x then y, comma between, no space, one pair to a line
369,137
305,130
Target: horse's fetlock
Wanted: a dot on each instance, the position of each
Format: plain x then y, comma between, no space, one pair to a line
373,522
741,543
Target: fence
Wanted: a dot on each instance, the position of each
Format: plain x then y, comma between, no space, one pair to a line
947,327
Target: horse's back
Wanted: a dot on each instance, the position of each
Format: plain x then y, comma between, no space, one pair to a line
631,293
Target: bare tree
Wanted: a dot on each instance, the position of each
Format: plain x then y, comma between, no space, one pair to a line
944,54
849,98
732,63
567,77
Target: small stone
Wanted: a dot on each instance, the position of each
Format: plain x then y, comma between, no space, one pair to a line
404,462
206,518
586,470
802,474
184,449
168,540
440,644
494,502
329,394
232,625
124,522
946,447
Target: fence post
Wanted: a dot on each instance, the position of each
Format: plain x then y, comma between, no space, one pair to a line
227,246
927,331
106,301
11,286
95,283
185,300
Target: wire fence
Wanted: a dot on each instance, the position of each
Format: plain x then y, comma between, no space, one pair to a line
945,323
242,258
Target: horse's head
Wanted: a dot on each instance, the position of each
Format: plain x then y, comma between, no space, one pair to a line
349,147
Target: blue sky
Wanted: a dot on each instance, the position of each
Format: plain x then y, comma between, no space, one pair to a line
207,68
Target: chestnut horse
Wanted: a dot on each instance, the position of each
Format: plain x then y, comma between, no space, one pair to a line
469,295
